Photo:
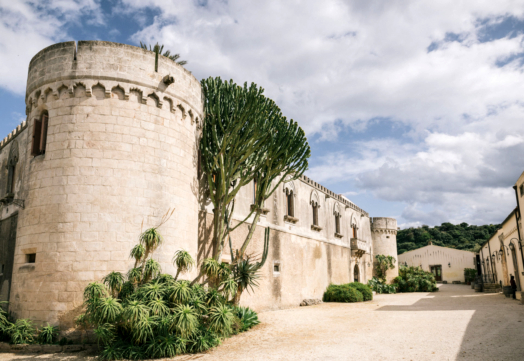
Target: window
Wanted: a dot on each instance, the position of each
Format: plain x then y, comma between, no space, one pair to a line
276,268
290,203
315,214
40,134
30,258
11,177
521,190
337,223
354,230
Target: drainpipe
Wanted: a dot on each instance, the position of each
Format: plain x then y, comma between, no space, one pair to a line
517,218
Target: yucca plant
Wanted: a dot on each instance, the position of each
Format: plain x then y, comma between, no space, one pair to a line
214,298
220,319
114,281
164,346
183,262
151,239
48,334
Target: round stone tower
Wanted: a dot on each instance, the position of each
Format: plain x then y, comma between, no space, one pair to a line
384,233
120,150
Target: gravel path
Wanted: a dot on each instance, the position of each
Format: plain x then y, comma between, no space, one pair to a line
453,324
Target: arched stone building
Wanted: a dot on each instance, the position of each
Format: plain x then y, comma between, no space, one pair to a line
110,143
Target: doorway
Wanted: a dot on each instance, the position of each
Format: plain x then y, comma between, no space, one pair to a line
515,265
437,272
356,274
7,255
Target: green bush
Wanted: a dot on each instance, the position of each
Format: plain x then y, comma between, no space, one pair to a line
366,291
380,287
342,293
414,279
247,316
48,335
470,274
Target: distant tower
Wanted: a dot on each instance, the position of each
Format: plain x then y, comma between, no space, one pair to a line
384,233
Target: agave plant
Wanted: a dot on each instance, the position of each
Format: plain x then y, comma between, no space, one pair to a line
183,262
114,282
186,320
221,319
247,316
48,335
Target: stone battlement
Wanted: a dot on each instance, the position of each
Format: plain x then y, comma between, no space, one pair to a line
13,134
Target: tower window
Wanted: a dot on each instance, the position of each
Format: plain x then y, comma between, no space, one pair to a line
40,134
521,190
315,214
30,258
290,204
337,223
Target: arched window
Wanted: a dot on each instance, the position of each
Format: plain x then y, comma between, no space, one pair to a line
290,193
337,215
40,134
12,169
315,214
290,203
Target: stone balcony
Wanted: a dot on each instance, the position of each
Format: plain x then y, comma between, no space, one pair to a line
358,247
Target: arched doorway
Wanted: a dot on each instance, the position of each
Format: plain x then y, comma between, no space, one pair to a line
515,265
356,274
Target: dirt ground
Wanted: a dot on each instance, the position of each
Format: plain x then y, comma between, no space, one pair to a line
453,324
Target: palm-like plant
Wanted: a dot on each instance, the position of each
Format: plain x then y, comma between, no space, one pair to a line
94,290
135,275
163,346
151,270
135,311
138,252
109,310
229,287
114,282
144,330
221,319
152,291
22,331
183,262
157,49
158,307
180,292
105,334
186,320
48,335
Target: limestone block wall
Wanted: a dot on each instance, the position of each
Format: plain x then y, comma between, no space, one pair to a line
384,232
121,150
308,259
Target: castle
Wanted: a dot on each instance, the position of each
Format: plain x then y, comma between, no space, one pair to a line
110,142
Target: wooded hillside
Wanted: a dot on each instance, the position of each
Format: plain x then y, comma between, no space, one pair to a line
462,236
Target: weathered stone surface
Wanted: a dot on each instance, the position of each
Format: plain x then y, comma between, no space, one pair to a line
311,302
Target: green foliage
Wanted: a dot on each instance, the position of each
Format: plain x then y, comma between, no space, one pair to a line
22,331
183,262
186,320
247,316
470,274
384,263
180,292
48,335
381,287
342,293
366,291
462,236
151,269
414,279
114,281
108,310
157,49
220,319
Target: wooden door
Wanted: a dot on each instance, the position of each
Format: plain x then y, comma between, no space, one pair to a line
437,272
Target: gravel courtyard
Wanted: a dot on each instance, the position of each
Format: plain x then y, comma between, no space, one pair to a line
453,324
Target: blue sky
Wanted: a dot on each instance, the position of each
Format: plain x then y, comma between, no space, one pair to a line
413,109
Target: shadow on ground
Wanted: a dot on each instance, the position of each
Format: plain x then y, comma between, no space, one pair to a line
495,330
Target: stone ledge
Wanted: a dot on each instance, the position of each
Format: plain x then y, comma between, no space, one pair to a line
316,228
290,219
46,349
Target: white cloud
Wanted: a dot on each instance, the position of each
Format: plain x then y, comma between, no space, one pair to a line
29,26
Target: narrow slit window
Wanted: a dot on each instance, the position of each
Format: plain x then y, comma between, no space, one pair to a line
315,214
40,134
290,206
337,223
276,268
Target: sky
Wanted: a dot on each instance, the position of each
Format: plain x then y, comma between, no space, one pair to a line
413,109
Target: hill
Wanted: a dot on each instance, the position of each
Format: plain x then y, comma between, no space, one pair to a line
461,236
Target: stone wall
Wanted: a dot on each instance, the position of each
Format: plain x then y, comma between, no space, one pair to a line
121,150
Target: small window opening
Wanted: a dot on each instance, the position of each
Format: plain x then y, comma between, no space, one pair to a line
276,268
290,205
387,236
30,258
337,223
522,190
40,134
315,214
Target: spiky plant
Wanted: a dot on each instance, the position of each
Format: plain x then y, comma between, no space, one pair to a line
157,49
152,291
180,292
163,346
138,252
48,334
183,262
105,334
151,270
246,276
220,319
22,331
144,330
111,352
158,307
94,290
128,290
229,287
214,298
114,282
109,310
151,239
186,320
247,316
134,312
135,275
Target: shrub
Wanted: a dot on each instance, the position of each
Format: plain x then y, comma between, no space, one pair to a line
379,287
48,335
247,316
342,293
22,331
366,291
414,279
